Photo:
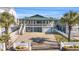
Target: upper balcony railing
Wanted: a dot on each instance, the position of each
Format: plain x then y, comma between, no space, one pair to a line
39,24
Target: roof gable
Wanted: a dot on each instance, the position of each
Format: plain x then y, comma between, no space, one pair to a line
37,16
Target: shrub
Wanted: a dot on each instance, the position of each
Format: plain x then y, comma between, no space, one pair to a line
20,47
22,41
71,46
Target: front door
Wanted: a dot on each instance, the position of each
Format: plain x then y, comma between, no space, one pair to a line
28,29
37,29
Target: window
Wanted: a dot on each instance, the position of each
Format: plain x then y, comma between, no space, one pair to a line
39,22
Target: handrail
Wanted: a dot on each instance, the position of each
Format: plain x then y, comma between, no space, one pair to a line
62,33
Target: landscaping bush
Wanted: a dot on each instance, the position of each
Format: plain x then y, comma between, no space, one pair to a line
71,47
22,41
74,40
60,38
20,47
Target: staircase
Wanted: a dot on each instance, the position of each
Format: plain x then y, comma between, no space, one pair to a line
22,29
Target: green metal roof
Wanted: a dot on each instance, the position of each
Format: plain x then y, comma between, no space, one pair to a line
38,17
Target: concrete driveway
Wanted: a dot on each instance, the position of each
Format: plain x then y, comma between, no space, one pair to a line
49,41
29,35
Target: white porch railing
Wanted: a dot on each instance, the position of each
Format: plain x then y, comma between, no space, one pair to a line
62,44
20,30
39,25
25,44
62,33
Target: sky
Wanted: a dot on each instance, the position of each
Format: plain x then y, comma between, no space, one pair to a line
55,12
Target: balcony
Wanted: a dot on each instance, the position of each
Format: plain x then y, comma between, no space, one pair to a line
39,25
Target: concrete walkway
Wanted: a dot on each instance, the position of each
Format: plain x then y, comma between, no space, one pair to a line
29,35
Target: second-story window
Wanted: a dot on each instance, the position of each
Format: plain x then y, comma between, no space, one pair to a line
39,22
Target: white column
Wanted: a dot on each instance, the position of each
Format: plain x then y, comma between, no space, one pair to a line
45,22
29,46
33,29
4,48
30,21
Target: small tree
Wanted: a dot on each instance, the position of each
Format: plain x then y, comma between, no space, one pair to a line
6,19
70,19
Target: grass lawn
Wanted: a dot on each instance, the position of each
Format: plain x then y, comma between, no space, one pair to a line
60,38
1,40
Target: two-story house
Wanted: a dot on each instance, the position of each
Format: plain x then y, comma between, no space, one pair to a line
38,23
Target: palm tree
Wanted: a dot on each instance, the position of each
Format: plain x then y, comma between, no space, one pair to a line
70,19
6,19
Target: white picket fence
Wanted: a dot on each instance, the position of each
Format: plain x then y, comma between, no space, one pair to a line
62,44
26,44
2,46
